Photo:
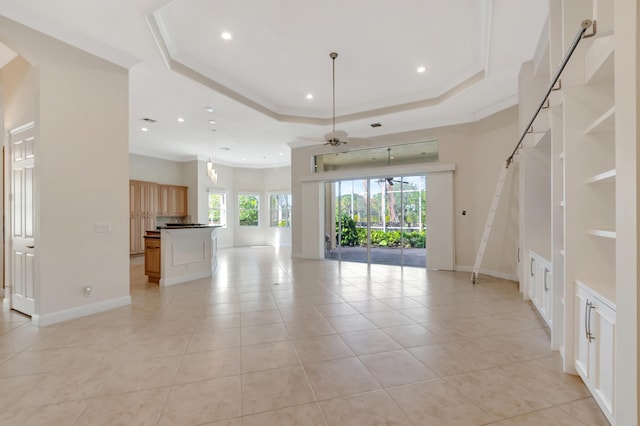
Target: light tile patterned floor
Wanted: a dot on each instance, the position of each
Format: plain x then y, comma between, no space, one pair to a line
276,341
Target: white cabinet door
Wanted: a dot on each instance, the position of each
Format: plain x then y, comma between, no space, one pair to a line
533,288
603,340
539,287
545,295
582,346
595,347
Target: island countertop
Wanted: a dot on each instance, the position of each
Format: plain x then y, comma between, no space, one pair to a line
186,225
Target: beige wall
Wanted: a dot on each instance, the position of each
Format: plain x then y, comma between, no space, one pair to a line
479,151
80,106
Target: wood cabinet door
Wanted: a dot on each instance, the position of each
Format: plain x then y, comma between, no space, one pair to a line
134,233
163,200
181,201
152,258
133,197
152,198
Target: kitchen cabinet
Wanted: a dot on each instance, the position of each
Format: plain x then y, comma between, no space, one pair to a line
540,286
595,323
152,256
172,200
147,200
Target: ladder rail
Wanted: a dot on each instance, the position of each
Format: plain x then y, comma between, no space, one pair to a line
503,174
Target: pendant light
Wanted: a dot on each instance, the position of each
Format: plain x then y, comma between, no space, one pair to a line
211,170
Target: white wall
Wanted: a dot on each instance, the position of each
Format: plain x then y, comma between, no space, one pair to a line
479,151
80,106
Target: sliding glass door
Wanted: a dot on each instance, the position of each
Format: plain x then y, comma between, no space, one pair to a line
377,220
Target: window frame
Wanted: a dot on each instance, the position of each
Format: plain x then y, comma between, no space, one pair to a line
240,209
278,208
224,210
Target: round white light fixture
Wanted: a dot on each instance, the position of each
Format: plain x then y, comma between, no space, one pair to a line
208,109
212,121
226,35
421,69
309,96
144,129
180,120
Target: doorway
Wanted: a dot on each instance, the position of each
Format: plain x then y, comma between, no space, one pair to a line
379,220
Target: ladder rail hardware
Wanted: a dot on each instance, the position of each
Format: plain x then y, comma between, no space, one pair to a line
528,129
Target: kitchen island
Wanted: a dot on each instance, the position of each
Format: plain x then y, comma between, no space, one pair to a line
178,253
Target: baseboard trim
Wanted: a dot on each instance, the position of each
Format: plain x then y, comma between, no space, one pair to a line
81,311
504,276
171,281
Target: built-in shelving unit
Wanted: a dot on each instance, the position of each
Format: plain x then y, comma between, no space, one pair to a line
573,157
605,177
602,233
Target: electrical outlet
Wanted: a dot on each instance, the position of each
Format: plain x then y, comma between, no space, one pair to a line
103,227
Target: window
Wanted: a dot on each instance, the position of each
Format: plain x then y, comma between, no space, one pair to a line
248,209
218,209
280,210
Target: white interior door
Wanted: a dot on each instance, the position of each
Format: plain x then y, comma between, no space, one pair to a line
22,215
440,226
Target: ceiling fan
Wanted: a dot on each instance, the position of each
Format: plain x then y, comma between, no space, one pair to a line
335,137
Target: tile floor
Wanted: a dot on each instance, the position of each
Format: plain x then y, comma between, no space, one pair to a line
276,341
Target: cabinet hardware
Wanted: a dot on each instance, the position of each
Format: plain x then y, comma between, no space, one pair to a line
531,267
31,247
586,321
590,334
546,272
518,254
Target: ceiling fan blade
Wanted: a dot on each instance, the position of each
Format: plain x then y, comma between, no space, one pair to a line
310,139
340,135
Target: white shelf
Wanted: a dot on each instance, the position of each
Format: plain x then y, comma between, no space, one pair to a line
605,177
601,287
603,233
605,123
598,61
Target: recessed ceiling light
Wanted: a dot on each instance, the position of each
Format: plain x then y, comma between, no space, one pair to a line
421,69
226,35
144,129
180,120
212,121
280,153
208,109
309,96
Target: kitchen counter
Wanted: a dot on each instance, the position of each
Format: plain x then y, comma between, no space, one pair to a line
188,252
186,225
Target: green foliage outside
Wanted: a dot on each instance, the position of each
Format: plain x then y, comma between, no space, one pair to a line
248,210
352,236
348,231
